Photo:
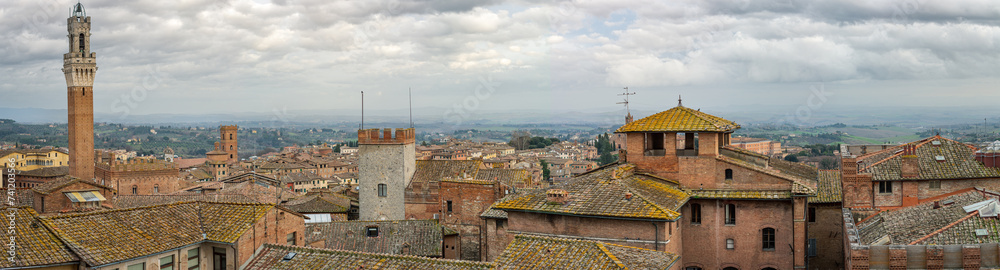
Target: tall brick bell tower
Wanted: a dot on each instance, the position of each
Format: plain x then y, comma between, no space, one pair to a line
80,67
230,143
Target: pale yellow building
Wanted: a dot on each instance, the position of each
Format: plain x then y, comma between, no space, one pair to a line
31,159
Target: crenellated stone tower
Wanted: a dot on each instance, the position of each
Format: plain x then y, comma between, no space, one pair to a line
386,164
80,67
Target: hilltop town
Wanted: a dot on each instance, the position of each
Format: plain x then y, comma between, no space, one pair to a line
680,189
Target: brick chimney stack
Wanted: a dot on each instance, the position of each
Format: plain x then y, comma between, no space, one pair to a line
910,167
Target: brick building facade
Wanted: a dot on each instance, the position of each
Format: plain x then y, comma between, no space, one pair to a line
906,175
741,209
139,176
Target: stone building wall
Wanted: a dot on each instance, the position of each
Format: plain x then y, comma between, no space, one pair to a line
384,160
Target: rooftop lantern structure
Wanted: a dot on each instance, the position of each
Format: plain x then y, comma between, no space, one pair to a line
79,11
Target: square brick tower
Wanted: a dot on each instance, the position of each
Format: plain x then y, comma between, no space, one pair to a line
385,166
80,67
230,144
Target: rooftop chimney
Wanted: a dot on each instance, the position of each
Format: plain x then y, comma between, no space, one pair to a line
910,167
556,196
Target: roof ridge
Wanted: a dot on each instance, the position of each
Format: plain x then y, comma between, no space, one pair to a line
610,255
702,116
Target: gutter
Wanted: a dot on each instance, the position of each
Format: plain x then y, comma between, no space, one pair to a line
592,216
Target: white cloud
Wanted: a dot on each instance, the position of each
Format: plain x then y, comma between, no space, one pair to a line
213,47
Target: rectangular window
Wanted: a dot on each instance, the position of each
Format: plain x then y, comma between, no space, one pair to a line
449,206
695,213
811,250
812,214
767,239
382,190
730,214
885,187
935,184
500,224
730,244
138,266
194,262
167,263
290,239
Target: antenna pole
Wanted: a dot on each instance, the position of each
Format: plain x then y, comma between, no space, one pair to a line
410,91
362,109
626,94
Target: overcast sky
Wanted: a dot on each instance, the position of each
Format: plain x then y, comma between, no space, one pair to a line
212,56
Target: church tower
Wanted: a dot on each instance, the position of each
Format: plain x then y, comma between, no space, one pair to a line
230,144
80,67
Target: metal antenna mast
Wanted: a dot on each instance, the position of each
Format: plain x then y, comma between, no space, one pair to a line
626,94
410,91
362,109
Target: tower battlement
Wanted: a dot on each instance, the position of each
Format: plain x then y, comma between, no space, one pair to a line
386,136
230,127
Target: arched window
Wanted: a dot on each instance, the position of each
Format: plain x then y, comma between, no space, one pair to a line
768,268
135,190
695,213
382,190
729,174
230,136
730,268
730,214
692,268
83,44
156,189
767,238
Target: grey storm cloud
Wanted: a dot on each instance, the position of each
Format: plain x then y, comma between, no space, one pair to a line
246,55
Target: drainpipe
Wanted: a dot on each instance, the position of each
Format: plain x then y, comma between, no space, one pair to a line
656,233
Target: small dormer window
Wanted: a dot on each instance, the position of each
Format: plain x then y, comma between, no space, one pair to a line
371,231
939,158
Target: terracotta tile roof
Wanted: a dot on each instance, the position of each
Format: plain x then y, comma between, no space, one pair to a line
828,188
199,174
680,119
36,244
905,225
298,177
424,237
105,237
535,252
250,176
510,177
133,201
599,193
46,172
319,203
494,213
959,162
56,184
435,170
189,162
259,193
271,257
